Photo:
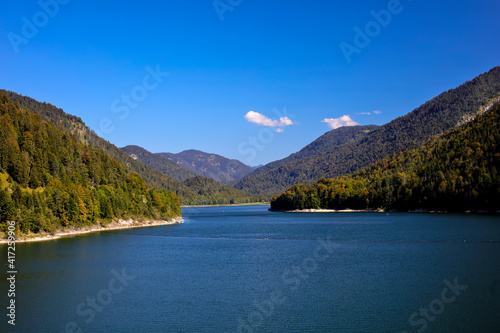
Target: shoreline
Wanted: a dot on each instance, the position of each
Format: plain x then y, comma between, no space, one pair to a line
229,205
312,210
115,225
414,211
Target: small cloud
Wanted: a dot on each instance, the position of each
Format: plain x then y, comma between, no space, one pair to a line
334,123
279,130
260,119
377,112
366,113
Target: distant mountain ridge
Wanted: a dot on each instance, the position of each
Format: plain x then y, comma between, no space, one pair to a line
154,178
455,171
77,127
219,168
50,181
327,141
159,162
337,152
444,112
209,191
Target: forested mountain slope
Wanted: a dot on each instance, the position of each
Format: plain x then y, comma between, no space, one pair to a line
456,171
211,192
324,143
214,166
75,126
49,180
444,112
204,190
160,163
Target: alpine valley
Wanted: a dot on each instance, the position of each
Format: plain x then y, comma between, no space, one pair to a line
57,173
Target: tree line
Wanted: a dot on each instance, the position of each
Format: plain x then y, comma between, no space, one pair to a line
455,171
49,179
444,112
161,178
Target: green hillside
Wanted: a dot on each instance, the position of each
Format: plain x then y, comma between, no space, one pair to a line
202,190
324,143
50,180
160,163
444,112
456,171
219,168
210,192
155,178
85,135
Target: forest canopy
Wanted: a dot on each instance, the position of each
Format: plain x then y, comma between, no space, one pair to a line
50,180
455,171
167,176
443,113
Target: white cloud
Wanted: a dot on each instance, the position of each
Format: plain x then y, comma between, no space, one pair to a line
334,123
260,119
369,113
279,130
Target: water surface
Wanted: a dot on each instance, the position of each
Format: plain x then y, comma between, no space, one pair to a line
230,269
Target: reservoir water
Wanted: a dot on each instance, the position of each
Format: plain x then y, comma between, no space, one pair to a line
245,269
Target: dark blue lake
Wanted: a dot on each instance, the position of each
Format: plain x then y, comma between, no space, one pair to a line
244,269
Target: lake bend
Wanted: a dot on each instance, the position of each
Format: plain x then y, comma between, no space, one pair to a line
245,269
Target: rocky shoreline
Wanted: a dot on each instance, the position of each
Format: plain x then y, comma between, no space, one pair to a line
115,225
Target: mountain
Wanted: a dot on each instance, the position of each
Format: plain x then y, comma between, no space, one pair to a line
49,180
160,163
205,190
216,192
456,171
327,141
445,112
213,166
76,127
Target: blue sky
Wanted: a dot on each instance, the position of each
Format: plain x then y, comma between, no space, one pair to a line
176,75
